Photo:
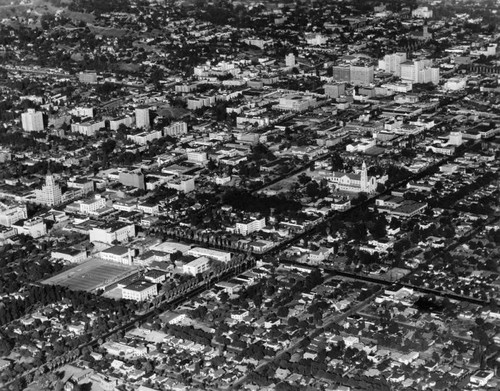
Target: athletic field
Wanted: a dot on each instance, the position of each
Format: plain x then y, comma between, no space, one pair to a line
91,275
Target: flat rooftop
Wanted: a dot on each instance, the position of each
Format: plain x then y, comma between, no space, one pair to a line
139,286
116,250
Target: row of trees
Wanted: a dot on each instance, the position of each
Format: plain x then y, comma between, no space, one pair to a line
99,7
246,201
210,239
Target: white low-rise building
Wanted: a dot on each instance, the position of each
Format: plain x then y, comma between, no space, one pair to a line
87,128
182,183
35,227
197,157
120,349
139,291
455,84
144,138
221,256
81,183
200,101
296,103
175,129
114,124
481,377
320,255
171,247
115,231
125,205
7,232
250,226
197,266
70,255
10,214
148,208
155,276
422,12
83,112
92,205
239,315
118,254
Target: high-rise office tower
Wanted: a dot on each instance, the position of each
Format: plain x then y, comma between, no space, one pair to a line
32,121
50,194
142,119
419,71
393,63
341,73
334,90
361,75
290,60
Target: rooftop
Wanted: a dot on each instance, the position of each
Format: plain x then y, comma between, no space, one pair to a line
139,286
116,250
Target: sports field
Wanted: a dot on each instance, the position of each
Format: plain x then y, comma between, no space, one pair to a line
91,275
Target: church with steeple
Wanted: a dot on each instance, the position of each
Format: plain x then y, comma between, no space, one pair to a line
355,183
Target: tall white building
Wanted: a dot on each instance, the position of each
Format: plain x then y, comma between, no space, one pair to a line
429,75
50,194
392,63
361,75
408,71
290,60
334,90
419,71
142,119
32,121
